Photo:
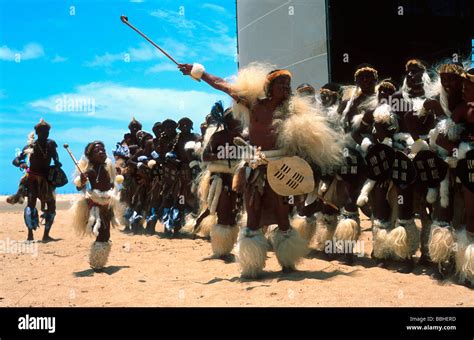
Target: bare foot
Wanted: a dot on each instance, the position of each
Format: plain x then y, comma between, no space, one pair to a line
47,239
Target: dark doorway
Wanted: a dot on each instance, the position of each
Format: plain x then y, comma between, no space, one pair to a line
387,33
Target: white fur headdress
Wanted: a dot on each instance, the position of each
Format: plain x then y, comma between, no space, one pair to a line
249,84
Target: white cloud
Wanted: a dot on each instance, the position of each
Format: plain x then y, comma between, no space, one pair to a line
144,52
58,59
28,52
226,46
85,135
164,67
189,27
117,102
104,60
137,1
176,19
207,40
213,7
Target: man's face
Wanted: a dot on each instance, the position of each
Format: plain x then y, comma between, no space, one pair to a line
134,129
281,88
185,127
169,131
43,133
328,97
98,154
385,92
468,91
366,81
414,75
157,131
452,83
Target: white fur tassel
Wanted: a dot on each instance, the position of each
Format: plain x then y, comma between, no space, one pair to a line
347,229
357,120
305,226
463,149
191,145
223,238
77,181
366,143
431,195
403,240
444,191
397,241
379,239
289,247
364,193
197,71
80,216
216,190
151,163
207,224
465,257
441,243
382,114
31,138
418,146
325,228
252,249
322,188
99,254
94,220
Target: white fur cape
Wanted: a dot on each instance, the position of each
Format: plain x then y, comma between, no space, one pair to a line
302,129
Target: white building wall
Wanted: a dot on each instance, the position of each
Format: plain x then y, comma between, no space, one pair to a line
289,34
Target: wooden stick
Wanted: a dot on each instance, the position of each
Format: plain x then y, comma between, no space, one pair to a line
125,21
66,146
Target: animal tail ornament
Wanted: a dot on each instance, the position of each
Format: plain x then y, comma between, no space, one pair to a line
320,144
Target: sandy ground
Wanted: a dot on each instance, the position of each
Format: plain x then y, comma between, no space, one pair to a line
155,271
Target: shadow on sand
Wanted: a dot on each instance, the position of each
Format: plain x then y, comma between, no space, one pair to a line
110,270
297,275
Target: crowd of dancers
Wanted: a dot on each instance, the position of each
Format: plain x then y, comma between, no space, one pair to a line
279,170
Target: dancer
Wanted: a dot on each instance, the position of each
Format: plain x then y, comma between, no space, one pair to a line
263,103
35,184
98,207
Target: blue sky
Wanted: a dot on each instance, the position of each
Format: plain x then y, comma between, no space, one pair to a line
88,74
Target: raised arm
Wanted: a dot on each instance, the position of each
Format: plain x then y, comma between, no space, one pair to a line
214,81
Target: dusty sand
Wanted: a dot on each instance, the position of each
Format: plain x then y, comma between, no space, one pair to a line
154,271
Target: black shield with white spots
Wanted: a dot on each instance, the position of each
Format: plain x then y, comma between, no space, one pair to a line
379,162
465,170
430,168
403,170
